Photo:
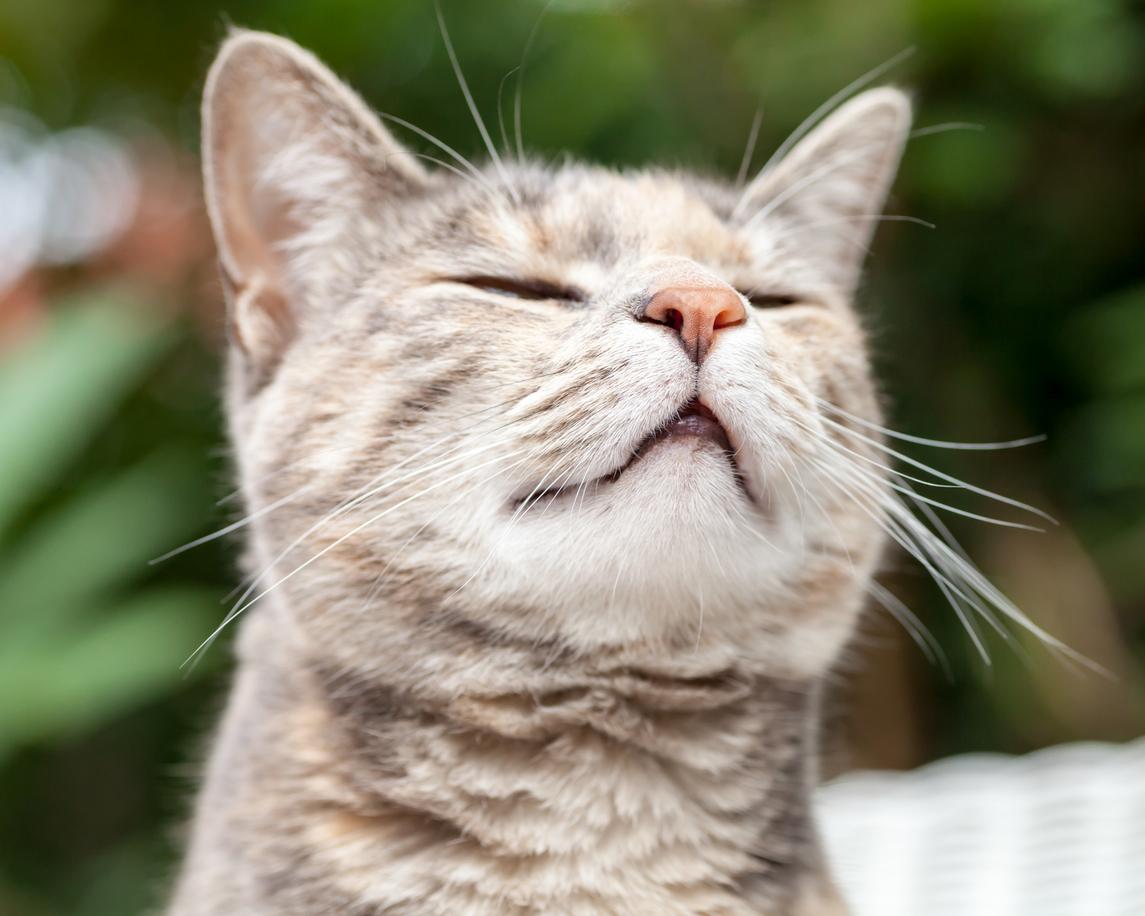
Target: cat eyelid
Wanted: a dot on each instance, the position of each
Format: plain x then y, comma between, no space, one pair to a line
530,289
765,299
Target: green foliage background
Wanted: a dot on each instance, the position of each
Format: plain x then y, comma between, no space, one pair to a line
1023,312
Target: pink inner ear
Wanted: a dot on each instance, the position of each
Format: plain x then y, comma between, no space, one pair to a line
290,155
261,321
257,224
255,217
256,220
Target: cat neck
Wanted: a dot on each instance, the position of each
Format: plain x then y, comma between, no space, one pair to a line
478,771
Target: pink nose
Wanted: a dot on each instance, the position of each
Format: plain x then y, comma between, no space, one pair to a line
696,313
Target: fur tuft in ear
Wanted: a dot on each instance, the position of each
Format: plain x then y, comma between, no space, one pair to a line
824,198
293,162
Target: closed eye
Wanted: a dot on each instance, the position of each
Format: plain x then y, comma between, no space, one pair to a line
769,300
537,290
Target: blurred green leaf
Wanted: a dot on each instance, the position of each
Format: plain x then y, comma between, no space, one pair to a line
1106,341
1107,438
101,536
965,168
74,679
57,392
599,88
111,885
1082,49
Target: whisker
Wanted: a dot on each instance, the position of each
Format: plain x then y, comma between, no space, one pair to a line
913,549
363,494
937,443
483,185
489,145
910,622
749,150
819,113
865,217
325,550
835,446
905,528
233,526
815,175
489,556
989,519
963,560
990,494
339,510
440,144
501,110
520,80
943,128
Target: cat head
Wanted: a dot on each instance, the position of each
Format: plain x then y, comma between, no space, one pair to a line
561,403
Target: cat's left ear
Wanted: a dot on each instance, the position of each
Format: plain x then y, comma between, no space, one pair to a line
825,196
298,175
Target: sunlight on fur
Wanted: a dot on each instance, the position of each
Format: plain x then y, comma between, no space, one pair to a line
566,487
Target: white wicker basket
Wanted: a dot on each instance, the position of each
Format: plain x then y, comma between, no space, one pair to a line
1057,833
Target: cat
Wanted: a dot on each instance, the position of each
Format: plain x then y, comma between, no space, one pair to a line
552,474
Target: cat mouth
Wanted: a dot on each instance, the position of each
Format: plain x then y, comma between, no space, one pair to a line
695,421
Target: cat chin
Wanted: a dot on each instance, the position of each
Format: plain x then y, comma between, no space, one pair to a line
678,472
683,481
676,522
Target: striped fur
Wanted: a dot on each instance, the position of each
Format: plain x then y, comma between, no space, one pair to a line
459,691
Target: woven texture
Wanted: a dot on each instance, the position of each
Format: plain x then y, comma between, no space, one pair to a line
1057,833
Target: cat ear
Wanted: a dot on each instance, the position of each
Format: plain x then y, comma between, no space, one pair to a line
825,196
294,164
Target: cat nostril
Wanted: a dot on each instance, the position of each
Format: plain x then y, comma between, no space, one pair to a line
696,314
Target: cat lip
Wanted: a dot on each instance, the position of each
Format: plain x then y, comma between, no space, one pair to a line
694,420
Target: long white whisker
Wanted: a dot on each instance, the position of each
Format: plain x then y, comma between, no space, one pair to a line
467,176
817,115
492,551
952,559
489,145
749,150
501,110
958,564
379,482
912,548
440,144
937,443
233,526
815,175
953,571
464,494
367,491
990,494
520,80
943,128
325,550
989,519
858,217
917,630
835,446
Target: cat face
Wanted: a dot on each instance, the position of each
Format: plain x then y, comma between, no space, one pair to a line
560,403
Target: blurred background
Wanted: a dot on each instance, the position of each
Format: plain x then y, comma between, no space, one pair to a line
1023,312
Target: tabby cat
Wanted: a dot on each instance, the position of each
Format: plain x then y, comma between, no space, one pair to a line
564,499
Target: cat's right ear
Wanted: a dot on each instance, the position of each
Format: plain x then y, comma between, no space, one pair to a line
295,169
